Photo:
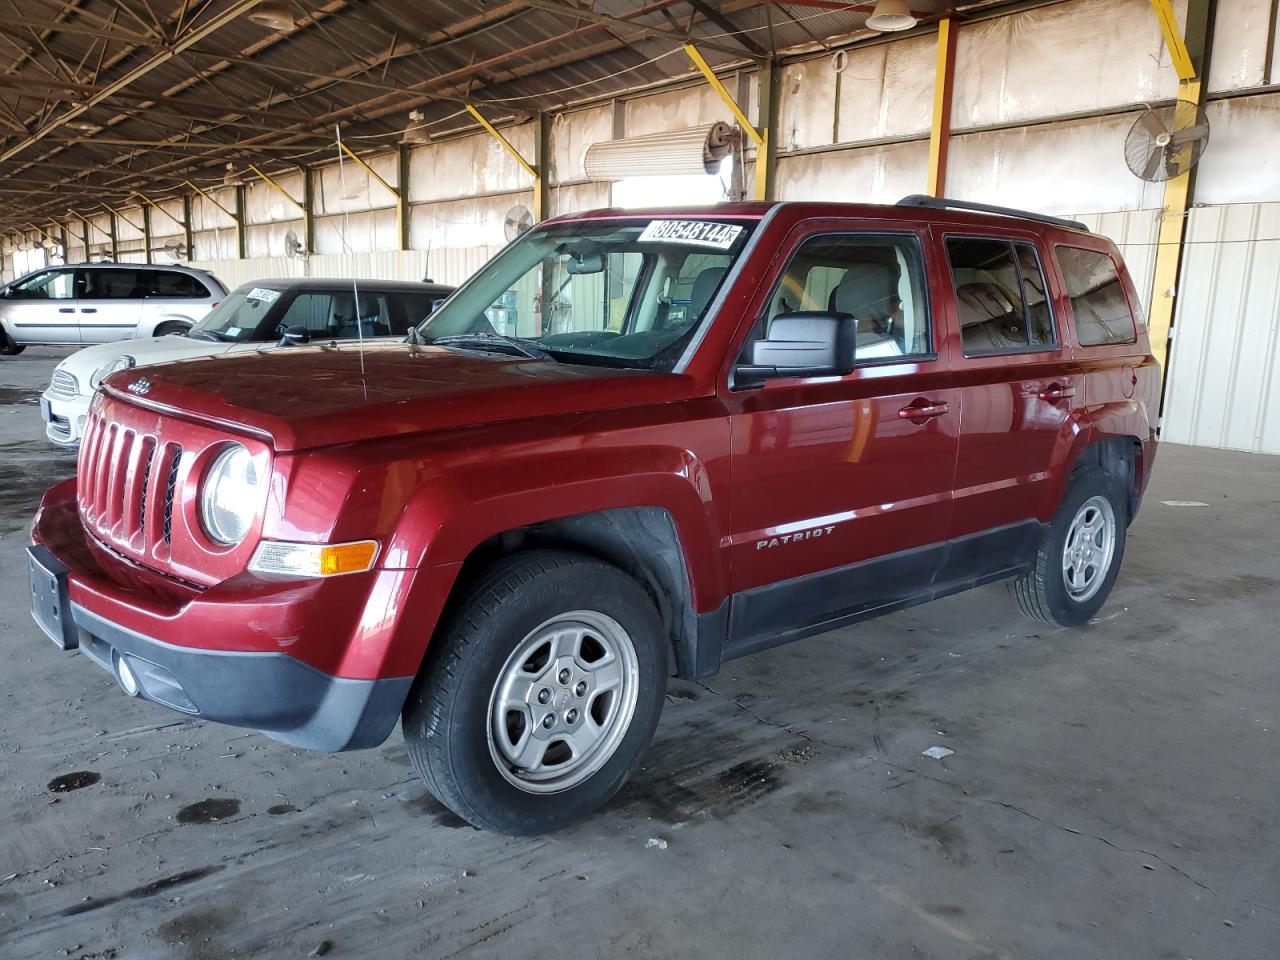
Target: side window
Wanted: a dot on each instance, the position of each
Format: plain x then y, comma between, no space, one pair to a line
1001,296
878,280
114,284
1098,303
333,314
410,310
49,285
171,285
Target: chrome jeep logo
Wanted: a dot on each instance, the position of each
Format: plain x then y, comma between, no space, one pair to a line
812,534
141,386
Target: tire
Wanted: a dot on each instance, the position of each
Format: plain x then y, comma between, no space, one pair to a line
538,615
1044,593
173,326
7,347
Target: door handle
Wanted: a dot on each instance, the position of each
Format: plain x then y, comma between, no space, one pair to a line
89,310
66,309
1058,392
923,410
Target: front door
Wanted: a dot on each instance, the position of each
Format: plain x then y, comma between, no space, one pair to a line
42,308
842,485
1017,383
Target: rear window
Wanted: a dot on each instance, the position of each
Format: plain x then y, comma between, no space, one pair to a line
1098,303
172,285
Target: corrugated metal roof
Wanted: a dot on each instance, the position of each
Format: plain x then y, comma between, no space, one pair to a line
95,110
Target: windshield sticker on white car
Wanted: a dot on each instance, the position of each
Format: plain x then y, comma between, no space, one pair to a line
699,233
263,294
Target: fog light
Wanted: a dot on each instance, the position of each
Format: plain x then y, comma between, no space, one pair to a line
127,679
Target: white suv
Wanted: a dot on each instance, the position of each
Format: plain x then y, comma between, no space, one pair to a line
102,302
256,316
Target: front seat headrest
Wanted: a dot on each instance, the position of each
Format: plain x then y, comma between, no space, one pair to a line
868,291
705,285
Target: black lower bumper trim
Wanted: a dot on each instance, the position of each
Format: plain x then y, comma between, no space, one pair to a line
284,698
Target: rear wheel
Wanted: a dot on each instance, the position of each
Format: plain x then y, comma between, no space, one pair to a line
545,687
172,327
7,347
1079,554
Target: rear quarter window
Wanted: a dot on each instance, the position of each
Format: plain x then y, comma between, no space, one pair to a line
1098,302
172,285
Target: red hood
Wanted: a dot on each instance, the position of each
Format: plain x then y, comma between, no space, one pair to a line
316,396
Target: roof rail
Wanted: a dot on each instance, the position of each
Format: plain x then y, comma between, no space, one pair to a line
945,203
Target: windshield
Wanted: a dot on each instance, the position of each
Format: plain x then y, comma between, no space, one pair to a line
618,292
238,317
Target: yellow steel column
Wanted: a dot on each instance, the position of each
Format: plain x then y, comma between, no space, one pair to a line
1190,68
940,132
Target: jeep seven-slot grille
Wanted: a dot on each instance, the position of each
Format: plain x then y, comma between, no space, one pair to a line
118,487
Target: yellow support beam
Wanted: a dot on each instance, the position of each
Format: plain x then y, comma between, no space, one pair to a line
506,144
401,219
45,233
209,197
705,69
1177,200
279,189
1173,39
943,84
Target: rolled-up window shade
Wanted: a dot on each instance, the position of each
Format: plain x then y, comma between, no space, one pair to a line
695,150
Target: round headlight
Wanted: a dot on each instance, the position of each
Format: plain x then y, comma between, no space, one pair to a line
228,498
123,362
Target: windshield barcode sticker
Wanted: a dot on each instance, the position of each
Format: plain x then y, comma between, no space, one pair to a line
700,233
263,294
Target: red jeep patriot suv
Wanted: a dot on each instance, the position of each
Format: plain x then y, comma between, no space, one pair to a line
635,444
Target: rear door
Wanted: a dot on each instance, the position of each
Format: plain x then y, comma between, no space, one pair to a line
842,485
112,303
1017,383
42,308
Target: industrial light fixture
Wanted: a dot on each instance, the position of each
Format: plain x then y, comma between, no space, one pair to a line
891,15
274,16
232,178
415,134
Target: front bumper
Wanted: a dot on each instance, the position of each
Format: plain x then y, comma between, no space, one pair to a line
63,418
88,599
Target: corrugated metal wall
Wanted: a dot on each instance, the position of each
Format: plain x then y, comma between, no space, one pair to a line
1224,369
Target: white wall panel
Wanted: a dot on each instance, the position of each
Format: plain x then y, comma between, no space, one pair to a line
580,196
676,110
1069,167
887,90
1224,370
166,223
357,232
572,134
347,186
214,244
467,166
264,204
869,175
206,215
267,239
1239,44
1064,58
1241,163
463,224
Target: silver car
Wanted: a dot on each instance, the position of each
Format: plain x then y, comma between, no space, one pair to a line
100,302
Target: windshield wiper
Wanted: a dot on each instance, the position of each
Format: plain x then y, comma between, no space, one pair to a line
481,340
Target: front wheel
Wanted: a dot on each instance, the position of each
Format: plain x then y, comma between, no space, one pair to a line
546,686
7,347
1079,554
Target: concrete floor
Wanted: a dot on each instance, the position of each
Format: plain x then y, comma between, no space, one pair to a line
1113,791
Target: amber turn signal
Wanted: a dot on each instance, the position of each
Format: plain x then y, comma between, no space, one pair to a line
314,559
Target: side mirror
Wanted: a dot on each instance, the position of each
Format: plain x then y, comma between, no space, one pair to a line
802,344
294,335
